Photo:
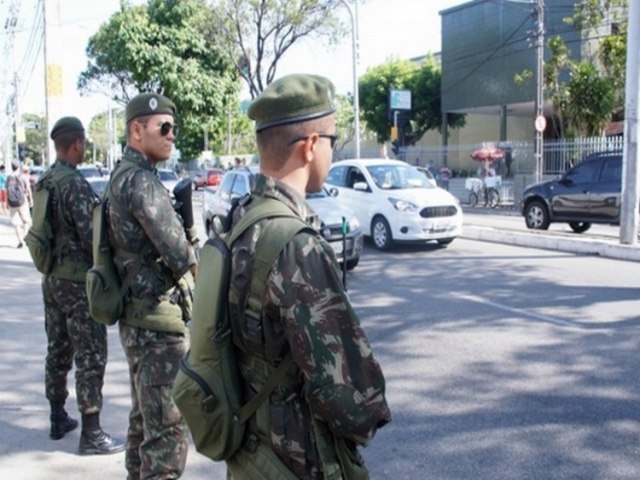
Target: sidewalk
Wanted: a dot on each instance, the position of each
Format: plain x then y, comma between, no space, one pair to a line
548,240
26,452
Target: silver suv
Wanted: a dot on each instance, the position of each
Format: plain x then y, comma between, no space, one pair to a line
237,182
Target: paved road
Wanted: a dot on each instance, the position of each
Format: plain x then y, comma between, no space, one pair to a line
462,410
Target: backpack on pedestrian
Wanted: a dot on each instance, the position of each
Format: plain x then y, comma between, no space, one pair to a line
105,288
15,191
208,386
44,245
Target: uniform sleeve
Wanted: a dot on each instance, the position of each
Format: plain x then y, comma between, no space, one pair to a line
151,205
344,384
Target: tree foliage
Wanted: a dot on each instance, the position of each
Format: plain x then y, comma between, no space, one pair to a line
168,47
423,80
35,129
596,86
257,33
98,133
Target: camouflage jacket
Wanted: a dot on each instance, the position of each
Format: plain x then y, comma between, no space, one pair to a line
306,312
72,212
148,238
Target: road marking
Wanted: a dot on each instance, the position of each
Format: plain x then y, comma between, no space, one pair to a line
519,311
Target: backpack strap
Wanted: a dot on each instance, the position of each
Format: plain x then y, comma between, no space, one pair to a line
278,233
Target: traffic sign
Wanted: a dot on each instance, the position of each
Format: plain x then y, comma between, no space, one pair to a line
540,123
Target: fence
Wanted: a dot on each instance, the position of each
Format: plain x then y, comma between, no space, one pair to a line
558,155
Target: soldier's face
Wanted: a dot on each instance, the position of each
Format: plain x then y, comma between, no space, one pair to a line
157,137
323,155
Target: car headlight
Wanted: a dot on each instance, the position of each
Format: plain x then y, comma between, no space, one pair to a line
353,224
403,205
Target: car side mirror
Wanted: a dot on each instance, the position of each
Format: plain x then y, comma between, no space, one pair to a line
361,186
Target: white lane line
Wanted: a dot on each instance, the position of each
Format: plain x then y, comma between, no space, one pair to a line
518,311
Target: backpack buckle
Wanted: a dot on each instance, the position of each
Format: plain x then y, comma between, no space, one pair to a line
252,442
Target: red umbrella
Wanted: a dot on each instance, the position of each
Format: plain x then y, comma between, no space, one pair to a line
482,154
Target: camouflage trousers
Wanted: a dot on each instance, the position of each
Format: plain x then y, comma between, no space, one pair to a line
73,336
157,435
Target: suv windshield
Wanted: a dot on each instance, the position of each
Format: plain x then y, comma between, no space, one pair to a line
395,177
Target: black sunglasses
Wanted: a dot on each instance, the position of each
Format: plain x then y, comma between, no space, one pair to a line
333,138
167,127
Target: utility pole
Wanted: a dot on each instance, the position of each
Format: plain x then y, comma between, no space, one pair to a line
353,14
47,150
540,122
630,185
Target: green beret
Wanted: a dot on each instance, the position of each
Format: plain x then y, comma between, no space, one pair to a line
66,125
292,99
149,104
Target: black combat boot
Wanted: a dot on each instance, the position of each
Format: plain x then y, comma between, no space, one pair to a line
94,440
61,422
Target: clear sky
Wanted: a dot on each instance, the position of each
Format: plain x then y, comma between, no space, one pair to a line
388,29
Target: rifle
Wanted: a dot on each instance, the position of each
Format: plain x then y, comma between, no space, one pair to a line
184,207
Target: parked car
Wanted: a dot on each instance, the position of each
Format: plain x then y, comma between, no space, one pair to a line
90,171
210,177
169,178
98,184
394,202
588,193
237,182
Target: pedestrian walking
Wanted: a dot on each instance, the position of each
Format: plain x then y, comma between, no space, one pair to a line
332,399
19,202
3,190
155,259
73,336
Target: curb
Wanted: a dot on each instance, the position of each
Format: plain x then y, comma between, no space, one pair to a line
602,248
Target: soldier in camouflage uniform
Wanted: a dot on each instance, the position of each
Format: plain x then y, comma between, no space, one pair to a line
333,400
154,256
72,335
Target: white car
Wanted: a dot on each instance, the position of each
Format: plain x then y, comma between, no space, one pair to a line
395,202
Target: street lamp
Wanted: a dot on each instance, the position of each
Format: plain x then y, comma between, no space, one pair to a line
353,14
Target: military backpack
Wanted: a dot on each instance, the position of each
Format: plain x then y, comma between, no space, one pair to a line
44,245
105,288
208,386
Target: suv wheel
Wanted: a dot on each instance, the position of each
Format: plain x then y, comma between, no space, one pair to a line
353,263
536,216
381,233
580,227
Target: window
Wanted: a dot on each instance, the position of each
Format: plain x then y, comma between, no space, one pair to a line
612,171
583,173
336,176
225,186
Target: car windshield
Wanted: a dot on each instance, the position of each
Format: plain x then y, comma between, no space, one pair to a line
396,177
167,175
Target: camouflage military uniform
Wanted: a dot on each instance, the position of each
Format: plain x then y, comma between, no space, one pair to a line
151,248
72,335
305,311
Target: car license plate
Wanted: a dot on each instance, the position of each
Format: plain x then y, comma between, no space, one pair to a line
437,227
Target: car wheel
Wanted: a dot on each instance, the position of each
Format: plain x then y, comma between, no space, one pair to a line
381,233
473,199
445,241
353,263
580,227
536,216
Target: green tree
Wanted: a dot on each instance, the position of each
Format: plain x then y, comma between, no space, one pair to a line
423,80
257,33
169,47
35,129
592,100
98,134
